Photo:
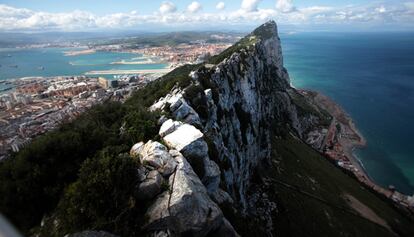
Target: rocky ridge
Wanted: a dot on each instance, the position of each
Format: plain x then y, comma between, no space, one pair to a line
216,134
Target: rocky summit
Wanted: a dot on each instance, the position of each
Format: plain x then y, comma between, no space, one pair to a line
224,148
220,130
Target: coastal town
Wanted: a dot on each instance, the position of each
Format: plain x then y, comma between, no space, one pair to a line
337,143
34,105
184,53
41,104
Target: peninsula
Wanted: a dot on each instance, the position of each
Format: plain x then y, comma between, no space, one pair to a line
226,147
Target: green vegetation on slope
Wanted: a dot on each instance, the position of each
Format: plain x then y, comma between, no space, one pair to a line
296,164
243,44
102,198
34,180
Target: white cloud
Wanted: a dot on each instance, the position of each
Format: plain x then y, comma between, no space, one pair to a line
21,19
194,7
409,5
220,6
381,9
285,6
250,5
167,7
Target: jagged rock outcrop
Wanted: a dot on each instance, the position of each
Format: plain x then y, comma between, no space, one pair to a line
243,96
222,125
184,207
155,155
187,208
189,140
178,107
247,92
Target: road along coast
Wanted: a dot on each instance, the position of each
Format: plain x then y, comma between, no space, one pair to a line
341,139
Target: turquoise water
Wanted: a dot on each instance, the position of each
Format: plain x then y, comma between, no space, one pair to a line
55,63
371,75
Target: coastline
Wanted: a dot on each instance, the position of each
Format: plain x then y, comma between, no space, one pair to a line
344,141
145,59
79,52
140,71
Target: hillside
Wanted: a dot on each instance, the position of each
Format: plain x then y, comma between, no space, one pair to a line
207,150
318,199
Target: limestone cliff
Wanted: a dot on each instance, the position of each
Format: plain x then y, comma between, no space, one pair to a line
222,124
227,158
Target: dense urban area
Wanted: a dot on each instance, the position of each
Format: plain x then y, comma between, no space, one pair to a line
34,105
38,105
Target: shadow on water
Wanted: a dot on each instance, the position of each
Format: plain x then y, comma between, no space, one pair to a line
383,170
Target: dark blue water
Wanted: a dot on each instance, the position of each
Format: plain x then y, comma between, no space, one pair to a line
371,75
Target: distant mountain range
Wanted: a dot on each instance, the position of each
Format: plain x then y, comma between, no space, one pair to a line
13,39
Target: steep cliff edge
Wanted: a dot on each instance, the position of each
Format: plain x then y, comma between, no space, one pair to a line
237,101
216,149
243,104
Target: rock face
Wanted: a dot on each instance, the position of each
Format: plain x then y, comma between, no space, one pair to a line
178,107
247,93
243,96
189,140
187,208
219,135
151,186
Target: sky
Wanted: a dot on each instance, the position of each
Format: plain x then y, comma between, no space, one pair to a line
153,15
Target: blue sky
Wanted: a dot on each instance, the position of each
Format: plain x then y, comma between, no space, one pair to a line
147,7
101,15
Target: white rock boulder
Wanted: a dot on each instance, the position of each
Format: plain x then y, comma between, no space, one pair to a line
168,127
155,155
188,140
136,148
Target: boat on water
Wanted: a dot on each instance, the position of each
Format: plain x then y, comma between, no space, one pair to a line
8,55
15,66
41,68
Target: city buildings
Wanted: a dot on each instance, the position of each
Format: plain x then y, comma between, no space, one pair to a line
38,105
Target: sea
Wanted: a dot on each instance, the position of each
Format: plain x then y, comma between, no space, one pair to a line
17,63
371,75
